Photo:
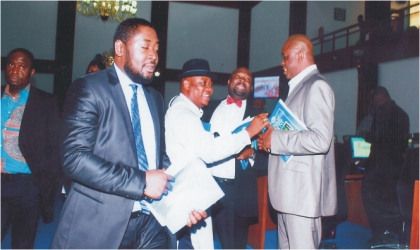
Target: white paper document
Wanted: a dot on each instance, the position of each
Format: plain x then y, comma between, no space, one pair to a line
194,188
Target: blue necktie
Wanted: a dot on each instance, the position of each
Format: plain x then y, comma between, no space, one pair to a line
135,122
141,153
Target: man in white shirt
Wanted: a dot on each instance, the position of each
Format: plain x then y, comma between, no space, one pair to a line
303,189
186,136
232,214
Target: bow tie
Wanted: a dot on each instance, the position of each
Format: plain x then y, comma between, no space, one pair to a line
230,100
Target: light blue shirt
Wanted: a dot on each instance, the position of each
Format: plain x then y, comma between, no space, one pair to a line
12,108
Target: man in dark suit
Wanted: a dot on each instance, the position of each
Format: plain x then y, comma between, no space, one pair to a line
29,158
389,138
232,213
113,148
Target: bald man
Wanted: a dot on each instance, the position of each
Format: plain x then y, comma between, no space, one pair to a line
304,189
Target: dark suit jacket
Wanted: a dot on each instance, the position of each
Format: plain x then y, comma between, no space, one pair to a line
38,142
246,198
389,138
98,152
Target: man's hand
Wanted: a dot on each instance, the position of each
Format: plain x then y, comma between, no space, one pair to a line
157,183
257,124
264,140
246,154
195,216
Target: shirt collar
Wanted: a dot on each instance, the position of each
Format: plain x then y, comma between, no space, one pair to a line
122,77
299,77
7,92
190,105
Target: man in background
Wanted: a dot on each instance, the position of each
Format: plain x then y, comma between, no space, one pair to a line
260,104
29,154
389,138
97,63
232,213
303,189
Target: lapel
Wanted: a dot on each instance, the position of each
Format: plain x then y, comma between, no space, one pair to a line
118,96
299,86
29,117
250,111
152,102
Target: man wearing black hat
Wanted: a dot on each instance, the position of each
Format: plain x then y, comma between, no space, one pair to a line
186,136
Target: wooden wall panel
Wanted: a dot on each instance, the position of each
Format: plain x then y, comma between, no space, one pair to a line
414,240
256,233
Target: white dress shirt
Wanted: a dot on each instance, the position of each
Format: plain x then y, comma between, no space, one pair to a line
225,119
295,80
146,121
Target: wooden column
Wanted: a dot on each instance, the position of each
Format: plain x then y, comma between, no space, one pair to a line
297,17
367,74
414,241
244,35
64,47
159,19
377,18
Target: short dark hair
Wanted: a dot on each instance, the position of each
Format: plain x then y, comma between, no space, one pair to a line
128,28
98,61
24,51
381,91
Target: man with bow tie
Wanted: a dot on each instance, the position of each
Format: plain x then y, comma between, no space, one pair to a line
232,214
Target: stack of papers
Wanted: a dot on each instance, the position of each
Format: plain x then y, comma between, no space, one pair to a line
194,188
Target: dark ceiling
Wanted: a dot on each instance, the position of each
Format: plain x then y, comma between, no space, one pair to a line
227,4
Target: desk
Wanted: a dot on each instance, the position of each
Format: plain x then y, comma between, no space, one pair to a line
353,187
256,233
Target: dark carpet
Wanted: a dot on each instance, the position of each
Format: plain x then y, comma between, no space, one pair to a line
349,235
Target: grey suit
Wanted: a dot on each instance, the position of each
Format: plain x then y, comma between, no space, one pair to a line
98,152
305,186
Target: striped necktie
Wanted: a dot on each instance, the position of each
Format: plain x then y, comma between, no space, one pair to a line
141,153
135,122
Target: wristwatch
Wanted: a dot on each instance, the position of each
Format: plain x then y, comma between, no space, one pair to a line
253,156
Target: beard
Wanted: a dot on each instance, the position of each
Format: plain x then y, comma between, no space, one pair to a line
136,77
242,95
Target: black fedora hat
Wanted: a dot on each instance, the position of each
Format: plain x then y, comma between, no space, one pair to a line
196,67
